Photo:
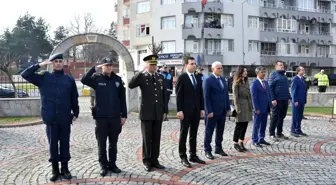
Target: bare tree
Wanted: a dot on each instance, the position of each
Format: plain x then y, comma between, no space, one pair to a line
268,61
155,48
7,59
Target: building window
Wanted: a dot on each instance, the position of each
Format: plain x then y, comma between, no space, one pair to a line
191,21
253,46
143,7
141,54
168,22
142,30
305,5
126,13
126,35
228,45
168,46
213,47
286,25
227,20
163,2
192,46
290,48
253,22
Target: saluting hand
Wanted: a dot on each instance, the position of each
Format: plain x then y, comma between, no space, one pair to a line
44,63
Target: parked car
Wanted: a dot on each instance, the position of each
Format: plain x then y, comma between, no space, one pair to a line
6,92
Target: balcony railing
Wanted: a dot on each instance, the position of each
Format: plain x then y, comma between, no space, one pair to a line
295,8
319,33
202,25
277,53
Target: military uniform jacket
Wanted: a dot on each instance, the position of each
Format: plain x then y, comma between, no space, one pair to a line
59,94
153,95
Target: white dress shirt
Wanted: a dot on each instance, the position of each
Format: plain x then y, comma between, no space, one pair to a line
190,77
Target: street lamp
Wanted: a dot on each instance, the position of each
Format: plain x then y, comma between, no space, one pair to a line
243,39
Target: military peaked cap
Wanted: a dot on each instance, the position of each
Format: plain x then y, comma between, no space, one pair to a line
151,59
107,61
58,56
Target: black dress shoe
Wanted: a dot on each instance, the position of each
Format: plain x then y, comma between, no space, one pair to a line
209,155
274,139
221,152
241,144
185,163
294,134
264,142
103,171
196,159
65,171
281,136
114,168
237,147
55,172
148,168
257,145
158,165
303,134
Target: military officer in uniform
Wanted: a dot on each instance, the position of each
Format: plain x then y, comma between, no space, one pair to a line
110,111
59,96
152,112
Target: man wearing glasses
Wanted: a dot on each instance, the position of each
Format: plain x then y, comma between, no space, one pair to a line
153,110
59,96
215,90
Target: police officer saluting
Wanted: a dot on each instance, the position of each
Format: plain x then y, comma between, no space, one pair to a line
152,112
110,111
59,96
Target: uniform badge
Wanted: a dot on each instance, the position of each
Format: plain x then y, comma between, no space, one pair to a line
117,84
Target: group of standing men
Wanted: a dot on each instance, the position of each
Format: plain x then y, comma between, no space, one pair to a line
196,98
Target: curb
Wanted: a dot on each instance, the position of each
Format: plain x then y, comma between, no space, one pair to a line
21,124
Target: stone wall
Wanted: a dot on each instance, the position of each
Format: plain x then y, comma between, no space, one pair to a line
19,107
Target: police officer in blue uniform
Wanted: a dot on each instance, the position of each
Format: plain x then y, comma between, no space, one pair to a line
168,79
110,111
153,110
59,96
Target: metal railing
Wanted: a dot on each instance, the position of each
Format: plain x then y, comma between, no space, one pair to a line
294,8
24,88
317,33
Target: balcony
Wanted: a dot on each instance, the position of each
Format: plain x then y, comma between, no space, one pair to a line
126,42
213,6
269,33
213,31
272,10
192,30
267,58
212,55
126,20
126,2
191,6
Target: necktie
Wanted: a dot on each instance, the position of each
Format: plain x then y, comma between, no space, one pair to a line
220,82
193,80
263,83
153,76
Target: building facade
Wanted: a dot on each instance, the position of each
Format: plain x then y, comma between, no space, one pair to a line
234,32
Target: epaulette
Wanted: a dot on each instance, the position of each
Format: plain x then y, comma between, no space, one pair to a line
42,72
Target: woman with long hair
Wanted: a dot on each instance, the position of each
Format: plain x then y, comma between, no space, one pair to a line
243,106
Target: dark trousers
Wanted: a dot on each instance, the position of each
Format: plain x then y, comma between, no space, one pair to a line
297,115
151,136
259,127
217,122
279,113
322,88
240,131
107,128
59,133
189,122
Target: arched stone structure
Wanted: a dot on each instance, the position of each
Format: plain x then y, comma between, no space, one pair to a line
96,38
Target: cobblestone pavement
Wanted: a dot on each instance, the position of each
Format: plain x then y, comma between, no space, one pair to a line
304,160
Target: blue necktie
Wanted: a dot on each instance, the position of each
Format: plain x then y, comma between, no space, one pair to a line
194,81
219,81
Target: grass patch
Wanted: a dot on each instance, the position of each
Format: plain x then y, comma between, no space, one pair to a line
315,110
26,87
19,119
172,113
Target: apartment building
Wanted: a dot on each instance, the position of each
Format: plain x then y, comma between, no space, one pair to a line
234,32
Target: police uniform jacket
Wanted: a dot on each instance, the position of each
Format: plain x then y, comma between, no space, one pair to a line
153,95
168,79
109,93
58,92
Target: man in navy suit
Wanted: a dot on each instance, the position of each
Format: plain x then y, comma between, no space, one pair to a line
299,99
216,103
261,100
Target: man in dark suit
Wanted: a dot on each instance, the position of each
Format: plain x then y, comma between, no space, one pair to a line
216,102
299,99
261,100
152,112
190,108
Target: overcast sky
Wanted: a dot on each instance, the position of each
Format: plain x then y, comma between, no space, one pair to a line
57,12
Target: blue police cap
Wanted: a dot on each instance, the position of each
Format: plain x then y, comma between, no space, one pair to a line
58,56
107,61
